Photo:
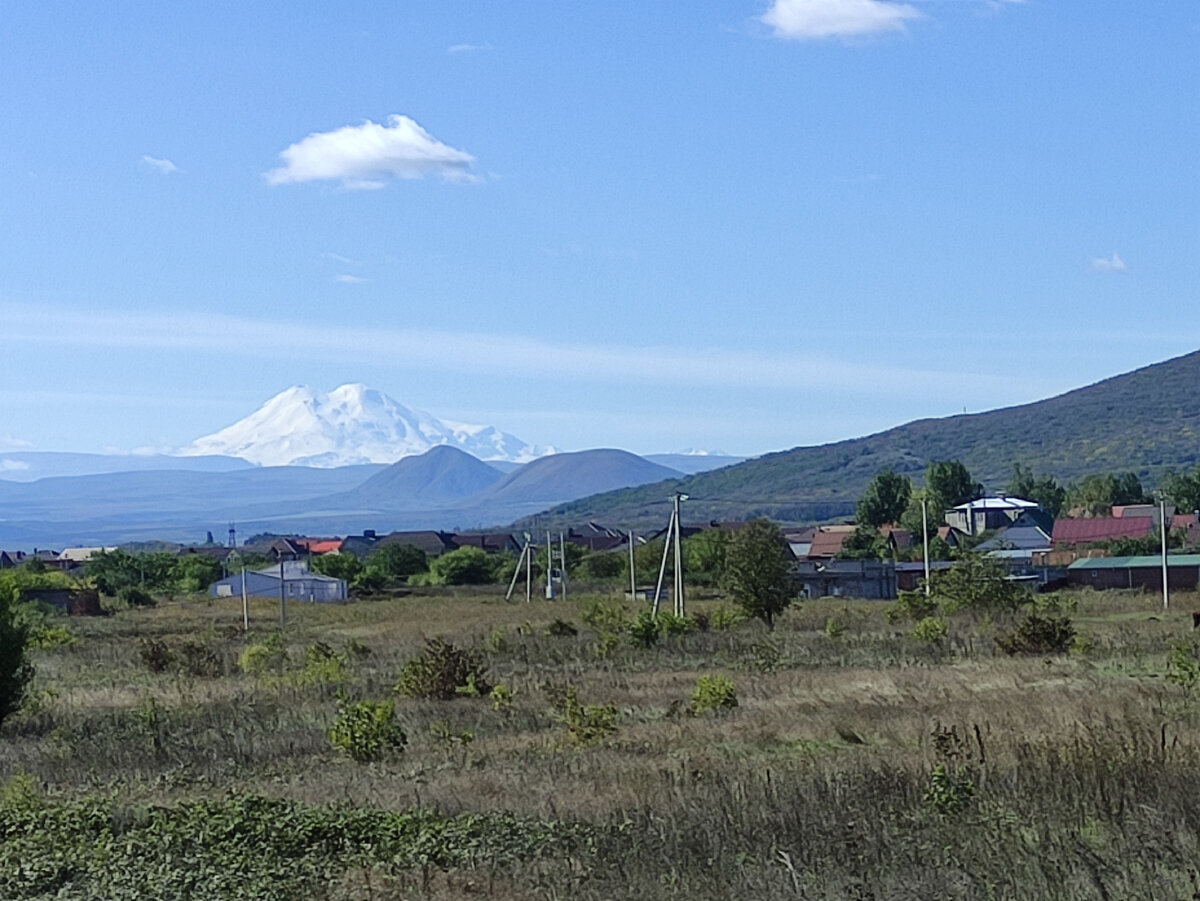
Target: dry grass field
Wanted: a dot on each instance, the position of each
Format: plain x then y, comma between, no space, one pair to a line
858,762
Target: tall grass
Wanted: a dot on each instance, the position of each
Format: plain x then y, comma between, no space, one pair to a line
1069,776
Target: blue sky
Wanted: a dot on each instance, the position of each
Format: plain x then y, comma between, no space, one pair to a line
740,225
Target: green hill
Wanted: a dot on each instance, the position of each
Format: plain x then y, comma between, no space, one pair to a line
1146,421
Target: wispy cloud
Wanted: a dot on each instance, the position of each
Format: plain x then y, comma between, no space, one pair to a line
347,279
338,258
496,355
12,442
364,157
165,166
13,466
808,20
1108,264
468,48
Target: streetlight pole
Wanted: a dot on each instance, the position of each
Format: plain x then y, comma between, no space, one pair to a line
1162,523
925,539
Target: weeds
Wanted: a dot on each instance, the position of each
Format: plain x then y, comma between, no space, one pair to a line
714,692
443,671
367,730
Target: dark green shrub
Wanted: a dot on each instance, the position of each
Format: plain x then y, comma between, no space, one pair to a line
156,654
1038,635
912,605
132,596
200,658
606,617
560,628
367,730
670,624
443,671
15,669
645,630
584,723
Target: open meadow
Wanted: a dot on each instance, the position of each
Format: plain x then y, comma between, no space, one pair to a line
166,754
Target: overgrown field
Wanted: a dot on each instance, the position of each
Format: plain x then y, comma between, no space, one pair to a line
164,754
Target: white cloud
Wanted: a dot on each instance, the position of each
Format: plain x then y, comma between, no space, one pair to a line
338,258
363,157
468,48
1108,264
13,466
11,442
816,19
347,279
166,167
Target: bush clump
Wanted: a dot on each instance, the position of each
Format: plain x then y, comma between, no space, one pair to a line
264,656
714,692
367,730
156,655
585,724
132,596
443,671
1038,635
931,629
560,628
645,630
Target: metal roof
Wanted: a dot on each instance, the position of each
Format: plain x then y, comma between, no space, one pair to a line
996,503
1139,562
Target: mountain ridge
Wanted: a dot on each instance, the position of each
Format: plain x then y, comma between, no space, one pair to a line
1145,421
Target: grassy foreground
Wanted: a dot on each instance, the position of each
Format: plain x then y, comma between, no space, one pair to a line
859,762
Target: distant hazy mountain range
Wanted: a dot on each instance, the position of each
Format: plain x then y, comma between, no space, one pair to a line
444,488
313,463
350,425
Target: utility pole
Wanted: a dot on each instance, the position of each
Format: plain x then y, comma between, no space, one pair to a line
517,569
632,570
562,556
549,568
282,596
245,602
1162,524
678,555
528,568
662,568
925,538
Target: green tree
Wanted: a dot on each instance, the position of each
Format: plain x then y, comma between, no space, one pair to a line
949,483
15,669
1096,494
758,571
465,566
884,500
1183,489
1043,490
398,561
979,583
113,570
604,566
864,543
337,566
194,572
704,556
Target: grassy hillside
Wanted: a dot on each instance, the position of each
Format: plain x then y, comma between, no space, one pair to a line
1146,421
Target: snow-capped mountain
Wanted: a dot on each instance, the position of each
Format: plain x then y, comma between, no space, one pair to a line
349,425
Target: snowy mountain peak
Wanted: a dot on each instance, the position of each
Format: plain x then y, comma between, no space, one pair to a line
349,425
